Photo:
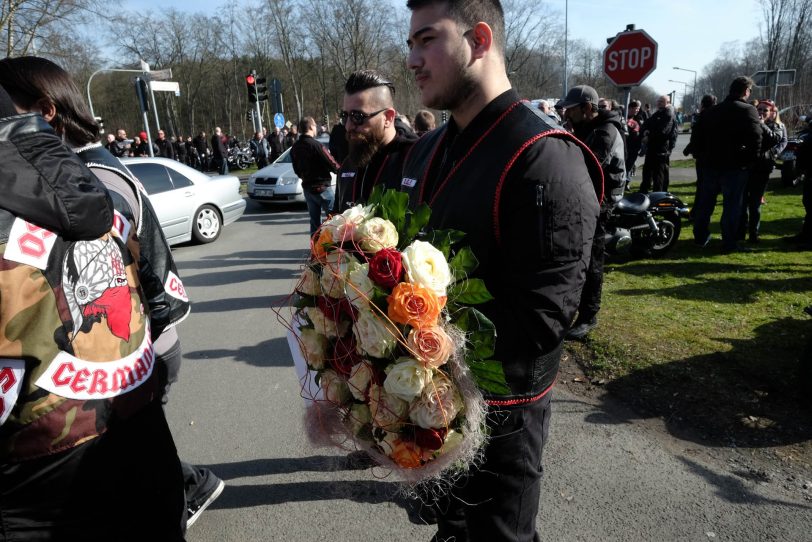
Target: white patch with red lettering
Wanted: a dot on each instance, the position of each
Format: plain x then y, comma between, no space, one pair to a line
29,244
74,378
174,287
121,226
410,183
11,380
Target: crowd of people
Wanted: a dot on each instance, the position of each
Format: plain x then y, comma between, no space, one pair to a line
86,374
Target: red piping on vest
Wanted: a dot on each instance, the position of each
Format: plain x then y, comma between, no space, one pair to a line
514,402
467,154
496,231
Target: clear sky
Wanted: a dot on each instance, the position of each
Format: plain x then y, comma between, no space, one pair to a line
689,33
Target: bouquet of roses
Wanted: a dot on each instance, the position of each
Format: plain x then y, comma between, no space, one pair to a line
383,317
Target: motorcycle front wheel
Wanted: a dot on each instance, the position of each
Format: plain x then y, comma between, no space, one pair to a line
644,242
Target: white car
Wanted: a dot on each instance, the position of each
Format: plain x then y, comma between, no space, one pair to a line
278,182
189,204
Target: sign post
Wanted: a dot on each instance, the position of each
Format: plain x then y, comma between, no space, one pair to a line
775,79
628,59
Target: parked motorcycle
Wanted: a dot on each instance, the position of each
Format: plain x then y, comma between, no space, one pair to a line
645,224
239,157
787,162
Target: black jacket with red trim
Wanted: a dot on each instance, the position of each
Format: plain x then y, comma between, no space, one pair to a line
312,162
524,192
354,184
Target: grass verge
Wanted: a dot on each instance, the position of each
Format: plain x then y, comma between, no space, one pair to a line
711,342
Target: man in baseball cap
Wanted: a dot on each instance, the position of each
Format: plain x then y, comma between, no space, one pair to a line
582,94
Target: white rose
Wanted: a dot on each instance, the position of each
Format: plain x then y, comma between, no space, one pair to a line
357,418
360,377
335,388
358,287
427,267
375,336
309,282
324,325
438,405
334,273
313,346
388,412
406,378
343,227
377,233
452,440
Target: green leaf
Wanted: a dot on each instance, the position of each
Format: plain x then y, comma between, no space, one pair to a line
463,263
417,221
303,301
469,292
376,196
394,206
489,376
443,239
480,331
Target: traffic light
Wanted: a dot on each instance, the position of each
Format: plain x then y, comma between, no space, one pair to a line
249,115
262,89
100,122
251,83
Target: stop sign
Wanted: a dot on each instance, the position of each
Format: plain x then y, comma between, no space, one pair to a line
630,58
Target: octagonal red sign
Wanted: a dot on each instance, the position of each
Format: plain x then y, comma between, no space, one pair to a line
630,58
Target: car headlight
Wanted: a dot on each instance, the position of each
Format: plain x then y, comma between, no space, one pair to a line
287,181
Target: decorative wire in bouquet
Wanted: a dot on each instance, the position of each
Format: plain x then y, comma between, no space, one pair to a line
396,353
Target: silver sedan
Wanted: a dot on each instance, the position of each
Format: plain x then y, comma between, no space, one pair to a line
189,204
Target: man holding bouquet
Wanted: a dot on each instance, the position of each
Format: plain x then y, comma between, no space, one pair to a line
527,196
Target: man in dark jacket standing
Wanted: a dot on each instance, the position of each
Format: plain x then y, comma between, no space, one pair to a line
731,139
219,151
313,164
376,150
524,192
658,132
602,131
165,148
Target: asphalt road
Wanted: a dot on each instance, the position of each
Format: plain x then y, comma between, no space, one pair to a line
237,410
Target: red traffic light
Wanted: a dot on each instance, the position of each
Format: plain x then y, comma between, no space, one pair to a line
250,79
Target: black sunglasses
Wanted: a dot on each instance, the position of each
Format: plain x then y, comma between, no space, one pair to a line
357,117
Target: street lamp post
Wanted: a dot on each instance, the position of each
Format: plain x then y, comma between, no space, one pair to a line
684,88
694,88
566,38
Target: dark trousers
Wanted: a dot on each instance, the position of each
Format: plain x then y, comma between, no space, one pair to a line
499,501
750,220
806,231
731,184
86,493
593,285
655,174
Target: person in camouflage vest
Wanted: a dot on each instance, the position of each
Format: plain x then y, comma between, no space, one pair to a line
84,445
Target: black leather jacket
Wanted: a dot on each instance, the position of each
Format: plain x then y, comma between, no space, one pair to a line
312,163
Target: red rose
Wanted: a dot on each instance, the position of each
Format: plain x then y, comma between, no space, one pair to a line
429,439
344,356
334,308
386,268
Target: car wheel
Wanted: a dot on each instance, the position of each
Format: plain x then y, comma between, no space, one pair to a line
207,224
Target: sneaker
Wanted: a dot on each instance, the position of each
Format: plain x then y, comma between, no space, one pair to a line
194,511
581,330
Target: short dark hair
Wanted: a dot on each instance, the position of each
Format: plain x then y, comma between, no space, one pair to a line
29,79
634,103
306,123
708,100
470,12
740,85
366,79
424,121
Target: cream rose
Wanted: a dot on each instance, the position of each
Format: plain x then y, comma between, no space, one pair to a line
335,388
426,266
313,346
377,233
343,227
324,325
360,378
375,336
438,404
430,345
334,273
358,287
309,282
388,412
357,418
406,378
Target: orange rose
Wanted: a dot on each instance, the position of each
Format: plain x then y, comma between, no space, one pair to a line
406,454
431,346
319,247
413,305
